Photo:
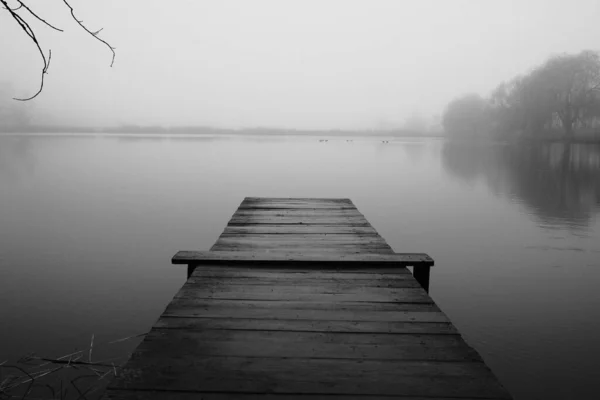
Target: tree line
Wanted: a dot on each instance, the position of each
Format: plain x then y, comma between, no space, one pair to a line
560,98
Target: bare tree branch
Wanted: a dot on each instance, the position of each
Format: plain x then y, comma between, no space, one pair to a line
25,26
14,9
21,4
94,34
29,31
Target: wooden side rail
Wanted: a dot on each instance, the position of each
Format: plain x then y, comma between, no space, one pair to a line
420,262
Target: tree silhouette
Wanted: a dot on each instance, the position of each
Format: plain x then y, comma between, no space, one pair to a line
466,116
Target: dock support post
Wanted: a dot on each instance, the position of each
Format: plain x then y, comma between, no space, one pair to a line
421,274
190,270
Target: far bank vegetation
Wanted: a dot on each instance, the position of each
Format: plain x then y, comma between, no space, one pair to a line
559,99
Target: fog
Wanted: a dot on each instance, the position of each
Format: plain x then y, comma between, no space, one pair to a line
290,64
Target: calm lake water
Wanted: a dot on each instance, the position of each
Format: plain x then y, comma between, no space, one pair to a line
88,225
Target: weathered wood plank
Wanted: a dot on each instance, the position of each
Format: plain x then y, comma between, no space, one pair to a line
304,325
341,220
228,307
147,370
310,244
303,200
302,213
277,344
216,281
115,394
296,206
290,274
321,248
306,293
186,307
346,260
299,229
331,237
332,240
309,240
204,287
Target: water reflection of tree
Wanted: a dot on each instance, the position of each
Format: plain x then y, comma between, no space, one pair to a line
558,183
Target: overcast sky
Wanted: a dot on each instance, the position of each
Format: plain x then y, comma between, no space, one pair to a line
282,63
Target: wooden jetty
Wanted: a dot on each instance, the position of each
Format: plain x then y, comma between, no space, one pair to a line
302,298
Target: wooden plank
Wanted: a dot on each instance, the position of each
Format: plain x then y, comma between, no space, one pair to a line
307,240
147,370
306,293
289,274
304,325
310,245
279,229
346,260
340,345
201,288
313,284
216,281
304,213
186,307
230,308
295,206
341,220
302,244
305,208
332,236
115,394
303,200
318,248
321,245
298,204
331,239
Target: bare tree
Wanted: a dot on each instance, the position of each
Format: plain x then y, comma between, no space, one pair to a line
466,117
574,84
564,92
22,14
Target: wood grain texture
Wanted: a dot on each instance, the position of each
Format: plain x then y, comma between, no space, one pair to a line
325,219
292,220
183,307
296,200
295,206
304,213
278,229
331,345
180,395
304,293
323,273
333,283
301,238
168,321
302,299
299,250
147,370
355,311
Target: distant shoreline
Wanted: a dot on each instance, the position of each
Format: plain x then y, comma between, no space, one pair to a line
205,131
215,132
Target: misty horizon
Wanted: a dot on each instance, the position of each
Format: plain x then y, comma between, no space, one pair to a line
342,65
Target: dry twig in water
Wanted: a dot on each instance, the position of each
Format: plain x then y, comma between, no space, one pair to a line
30,376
